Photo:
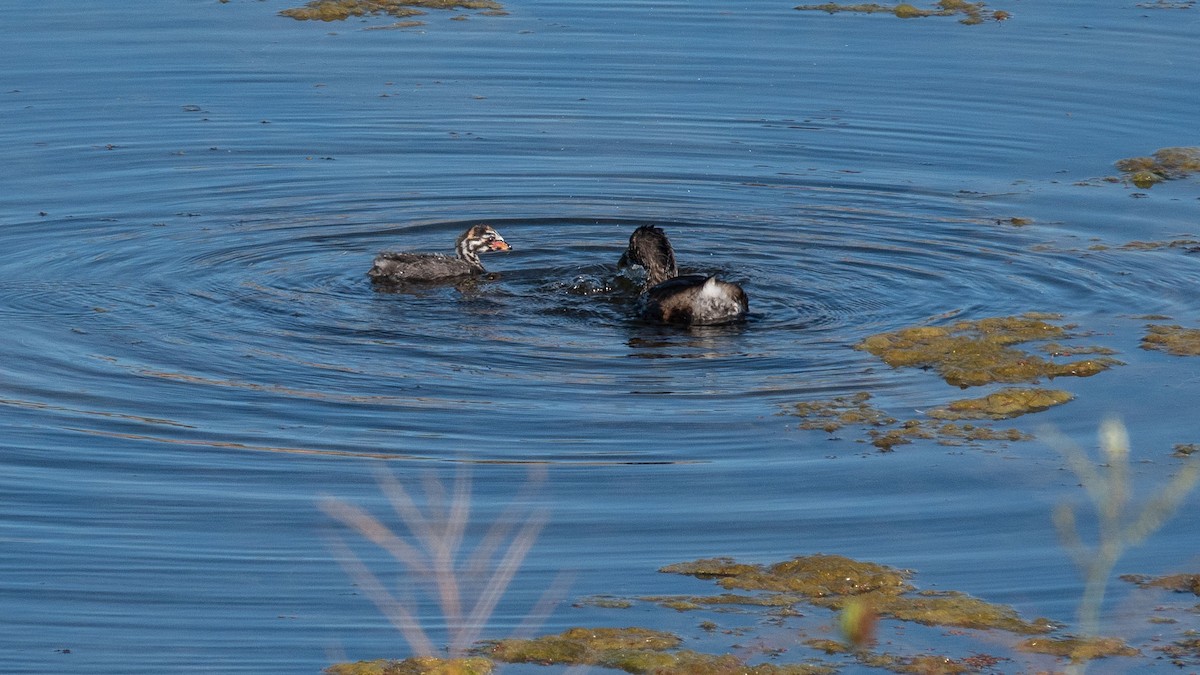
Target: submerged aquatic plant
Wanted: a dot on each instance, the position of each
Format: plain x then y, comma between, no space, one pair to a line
467,583
1119,527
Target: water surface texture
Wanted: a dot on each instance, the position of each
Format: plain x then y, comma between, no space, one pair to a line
193,356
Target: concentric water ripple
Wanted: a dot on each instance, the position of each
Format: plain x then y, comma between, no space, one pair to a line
277,313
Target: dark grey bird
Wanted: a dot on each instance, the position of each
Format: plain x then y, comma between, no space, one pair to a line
403,267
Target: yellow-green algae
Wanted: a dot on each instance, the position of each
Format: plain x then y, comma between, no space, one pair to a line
420,665
1164,164
835,581
972,12
692,603
340,10
595,646
1180,583
605,602
921,664
633,650
974,353
1003,404
831,415
1078,649
1175,340
946,433
814,576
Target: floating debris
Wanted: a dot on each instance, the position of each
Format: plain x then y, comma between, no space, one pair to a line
1164,164
1173,340
1004,404
973,12
974,353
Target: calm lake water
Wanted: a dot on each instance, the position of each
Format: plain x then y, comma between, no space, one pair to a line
193,357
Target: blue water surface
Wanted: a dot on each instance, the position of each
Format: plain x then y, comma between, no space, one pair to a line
194,361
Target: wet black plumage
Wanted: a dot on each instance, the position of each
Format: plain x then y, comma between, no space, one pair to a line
693,299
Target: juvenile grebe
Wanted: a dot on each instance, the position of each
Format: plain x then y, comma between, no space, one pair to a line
694,299
396,267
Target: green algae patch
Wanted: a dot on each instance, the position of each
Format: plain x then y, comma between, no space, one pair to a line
961,611
975,353
944,434
591,646
633,650
340,10
833,414
711,568
812,577
694,663
921,664
692,603
971,12
1078,649
1175,340
1179,583
886,432
1164,164
1004,404
605,602
844,584
421,665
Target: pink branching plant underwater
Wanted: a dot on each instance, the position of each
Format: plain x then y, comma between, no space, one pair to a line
433,551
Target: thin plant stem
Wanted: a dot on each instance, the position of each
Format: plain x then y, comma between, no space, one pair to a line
434,550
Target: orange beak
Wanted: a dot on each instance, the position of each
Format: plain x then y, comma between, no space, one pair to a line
499,245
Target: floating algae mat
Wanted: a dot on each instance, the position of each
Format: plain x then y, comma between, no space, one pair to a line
1164,164
885,432
1078,649
972,12
1173,340
633,650
340,10
1179,583
831,581
1003,404
800,641
974,353
418,665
